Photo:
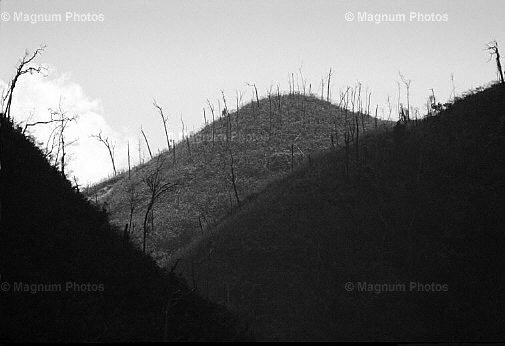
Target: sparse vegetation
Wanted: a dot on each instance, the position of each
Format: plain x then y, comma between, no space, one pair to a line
50,234
424,206
274,209
259,139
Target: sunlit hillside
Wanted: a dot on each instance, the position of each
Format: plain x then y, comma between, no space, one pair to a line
266,139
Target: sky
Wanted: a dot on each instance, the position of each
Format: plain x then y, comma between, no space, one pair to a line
107,60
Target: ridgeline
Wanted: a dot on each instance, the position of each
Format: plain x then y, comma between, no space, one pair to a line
407,244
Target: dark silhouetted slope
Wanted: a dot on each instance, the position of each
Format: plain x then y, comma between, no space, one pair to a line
51,235
424,205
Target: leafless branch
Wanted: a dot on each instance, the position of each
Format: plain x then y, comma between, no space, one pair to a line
110,148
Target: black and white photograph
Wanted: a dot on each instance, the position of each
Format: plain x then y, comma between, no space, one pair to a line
252,171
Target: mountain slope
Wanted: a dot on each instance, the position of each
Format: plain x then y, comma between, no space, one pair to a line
66,276
421,212
266,140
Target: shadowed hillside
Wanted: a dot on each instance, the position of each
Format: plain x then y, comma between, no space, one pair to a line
266,139
407,245
66,276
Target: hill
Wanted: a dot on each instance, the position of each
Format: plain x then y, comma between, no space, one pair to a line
266,140
66,276
405,245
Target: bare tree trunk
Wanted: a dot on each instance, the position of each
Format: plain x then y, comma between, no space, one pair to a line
110,148
256,93
63,151
156,188
213,122
270,109
498,65
164,119
376,108
129,164
23,68
185,138
329,81
257,97
492,47
147,142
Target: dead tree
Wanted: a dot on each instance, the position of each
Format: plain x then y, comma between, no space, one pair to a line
110,148
304,81
376,119
32,124
390,108
129,163
164,119
23,68
213,122
329,80
185,138
60,116
239,104
270,108
367,111
406,82
147,142
226,114
399,106
256,93
453,90
492,48
156,187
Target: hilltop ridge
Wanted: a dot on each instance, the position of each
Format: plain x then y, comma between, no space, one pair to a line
266,139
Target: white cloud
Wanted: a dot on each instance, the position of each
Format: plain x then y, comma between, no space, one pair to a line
89,160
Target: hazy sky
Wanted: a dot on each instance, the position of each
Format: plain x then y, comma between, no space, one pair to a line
108,59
